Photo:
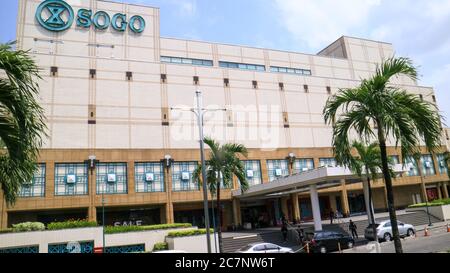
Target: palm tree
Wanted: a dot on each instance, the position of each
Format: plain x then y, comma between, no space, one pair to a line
396,114
368,161
222,165
22,124
417,159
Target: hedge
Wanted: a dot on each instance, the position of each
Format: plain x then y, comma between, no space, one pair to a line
124,229
441,202
186,233
28,226
71,224
160,246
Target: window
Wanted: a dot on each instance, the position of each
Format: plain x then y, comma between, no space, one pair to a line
35,187
421,97
71,179
260,248
303,165
434,98
411,165
277,168
327,162
441,162
329,90
92,73
111,178
53,71
188,61
254,67
129,75
149,177
196,80
277,69
388,224
182,176
281,85
305,87
226,82
253,172
427,165
255,84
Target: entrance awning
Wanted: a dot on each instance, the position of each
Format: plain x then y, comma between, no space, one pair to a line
324,177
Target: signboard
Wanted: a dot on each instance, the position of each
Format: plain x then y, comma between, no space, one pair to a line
98,249
57,15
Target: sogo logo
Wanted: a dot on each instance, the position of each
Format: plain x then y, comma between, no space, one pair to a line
57,15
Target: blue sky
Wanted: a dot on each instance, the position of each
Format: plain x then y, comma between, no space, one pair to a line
418,29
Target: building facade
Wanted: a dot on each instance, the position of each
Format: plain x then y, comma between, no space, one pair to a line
113,88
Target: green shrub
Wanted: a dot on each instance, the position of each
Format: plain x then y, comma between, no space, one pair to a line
124,229
8,230
160,246
441,202
186,233
28,226
71,224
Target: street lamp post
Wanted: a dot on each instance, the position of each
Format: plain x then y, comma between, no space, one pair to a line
199,113
92,162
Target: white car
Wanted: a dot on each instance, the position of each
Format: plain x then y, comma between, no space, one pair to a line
264,248
384,230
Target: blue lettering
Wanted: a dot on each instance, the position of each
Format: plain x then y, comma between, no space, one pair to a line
123,22
141,24
106,20
84,18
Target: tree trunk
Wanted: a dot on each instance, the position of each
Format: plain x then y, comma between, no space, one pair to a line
389,190
219,211
371,209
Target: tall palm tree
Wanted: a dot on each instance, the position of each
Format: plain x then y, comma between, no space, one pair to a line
366,164
222,165
396,114
22,124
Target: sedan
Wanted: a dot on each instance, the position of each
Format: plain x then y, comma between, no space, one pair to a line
264,248
384,231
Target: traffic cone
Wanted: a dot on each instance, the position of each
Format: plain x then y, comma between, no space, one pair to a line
448,227
426,232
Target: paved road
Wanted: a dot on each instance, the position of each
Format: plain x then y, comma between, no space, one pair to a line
438,241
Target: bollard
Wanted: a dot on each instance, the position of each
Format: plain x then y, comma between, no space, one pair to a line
307,248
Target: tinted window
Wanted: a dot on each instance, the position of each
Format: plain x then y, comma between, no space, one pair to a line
388,224
271,246
245,248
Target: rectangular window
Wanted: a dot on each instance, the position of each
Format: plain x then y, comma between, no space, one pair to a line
303,165
411,166
255,84
54,71
129,75
188,61
442,164
253,172
288,70
226,82
92,73
277,169
182,176
35,187
327,162
71,179
328,90
434,98
111,178
196,80
281,85
305,88
149,177
427,165
163,78
253,67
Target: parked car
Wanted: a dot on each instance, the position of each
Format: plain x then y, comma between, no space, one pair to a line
329,241
264,248
384,231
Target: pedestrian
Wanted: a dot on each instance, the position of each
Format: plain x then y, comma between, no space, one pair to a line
352,228
331,217
301,235
284,228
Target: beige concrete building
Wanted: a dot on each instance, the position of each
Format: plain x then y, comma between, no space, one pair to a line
110,83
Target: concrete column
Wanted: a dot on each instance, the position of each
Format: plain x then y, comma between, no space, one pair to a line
295,206
315,207
92,213
445,190
439,191
169,213
366,199
237,220
284,207
344,199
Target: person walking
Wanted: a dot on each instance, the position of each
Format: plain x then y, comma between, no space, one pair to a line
352,228
301,235
331,217
284,228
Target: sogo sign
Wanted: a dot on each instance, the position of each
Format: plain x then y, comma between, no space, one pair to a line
61,17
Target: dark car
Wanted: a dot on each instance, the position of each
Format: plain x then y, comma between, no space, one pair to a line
329,241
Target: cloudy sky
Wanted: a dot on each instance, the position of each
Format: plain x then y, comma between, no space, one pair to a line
418,29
